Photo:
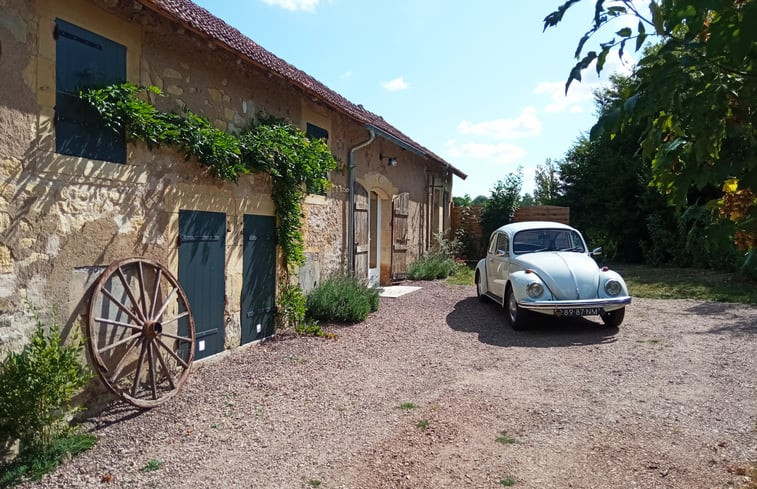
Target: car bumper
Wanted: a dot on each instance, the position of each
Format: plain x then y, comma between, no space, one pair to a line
586,303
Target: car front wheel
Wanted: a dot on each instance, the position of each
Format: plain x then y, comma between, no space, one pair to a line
480,296
612,319
516,316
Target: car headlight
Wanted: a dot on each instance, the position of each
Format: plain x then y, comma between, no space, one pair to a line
613,287
534,290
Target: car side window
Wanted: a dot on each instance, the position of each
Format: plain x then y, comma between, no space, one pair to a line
502,244
492,244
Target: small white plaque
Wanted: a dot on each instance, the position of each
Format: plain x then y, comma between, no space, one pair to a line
201,345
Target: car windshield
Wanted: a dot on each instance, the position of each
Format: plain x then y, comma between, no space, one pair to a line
536,240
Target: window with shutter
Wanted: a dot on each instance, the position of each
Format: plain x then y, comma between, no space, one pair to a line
314,132
84,59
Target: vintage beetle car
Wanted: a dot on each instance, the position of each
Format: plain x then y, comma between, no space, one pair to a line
546,267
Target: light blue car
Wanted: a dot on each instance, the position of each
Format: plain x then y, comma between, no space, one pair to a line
545,267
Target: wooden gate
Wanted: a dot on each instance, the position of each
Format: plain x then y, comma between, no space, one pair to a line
361,231
399,235
259,278
202,256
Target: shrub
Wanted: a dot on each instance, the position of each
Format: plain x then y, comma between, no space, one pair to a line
291,311
36,388
437,263
343,299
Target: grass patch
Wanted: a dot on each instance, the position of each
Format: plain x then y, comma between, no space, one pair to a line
463,275
688,283
422,424
407,406
314,483
342,299
505,439
507,482
35,463
153,465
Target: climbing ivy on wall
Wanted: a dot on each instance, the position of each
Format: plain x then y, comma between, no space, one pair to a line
269,145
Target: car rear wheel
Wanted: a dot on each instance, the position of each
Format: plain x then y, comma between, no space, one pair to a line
612,319
480,296
516,316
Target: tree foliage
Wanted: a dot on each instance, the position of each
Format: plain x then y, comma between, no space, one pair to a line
501,205
547,181
693,98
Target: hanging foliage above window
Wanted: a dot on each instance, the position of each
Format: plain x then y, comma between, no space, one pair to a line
270,145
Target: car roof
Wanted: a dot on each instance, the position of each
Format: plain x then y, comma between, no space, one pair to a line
514,227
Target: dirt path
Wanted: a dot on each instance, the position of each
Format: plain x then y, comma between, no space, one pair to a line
667,401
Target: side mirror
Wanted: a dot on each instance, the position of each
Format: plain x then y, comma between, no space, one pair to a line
596,251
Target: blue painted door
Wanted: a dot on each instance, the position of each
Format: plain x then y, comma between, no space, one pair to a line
202,255
259,287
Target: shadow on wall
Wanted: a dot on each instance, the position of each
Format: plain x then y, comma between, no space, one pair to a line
487,319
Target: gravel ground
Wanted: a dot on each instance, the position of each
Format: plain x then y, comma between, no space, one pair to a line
669,400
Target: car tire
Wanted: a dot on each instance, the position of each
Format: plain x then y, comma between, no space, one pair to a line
481,297
612,319
516,316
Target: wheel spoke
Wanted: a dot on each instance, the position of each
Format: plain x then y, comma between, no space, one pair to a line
165,304
151,369
176,337
142,294
139,369
119,323
155,293
172,353
122,363
182,315
119,343
165,367
120,306
130,293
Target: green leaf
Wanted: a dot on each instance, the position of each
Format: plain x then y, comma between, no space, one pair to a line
624,32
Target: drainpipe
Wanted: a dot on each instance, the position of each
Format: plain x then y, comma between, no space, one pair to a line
351,228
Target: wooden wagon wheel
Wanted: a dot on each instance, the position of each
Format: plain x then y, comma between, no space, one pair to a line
141,332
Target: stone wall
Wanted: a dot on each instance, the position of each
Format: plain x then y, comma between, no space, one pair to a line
63,219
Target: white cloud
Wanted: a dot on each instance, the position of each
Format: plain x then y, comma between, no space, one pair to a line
396,85
499,153
294,5
579,96
526,125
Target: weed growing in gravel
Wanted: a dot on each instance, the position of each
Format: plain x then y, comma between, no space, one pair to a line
422,424
407,406
507,482
505,439
216,426
153,464
314,483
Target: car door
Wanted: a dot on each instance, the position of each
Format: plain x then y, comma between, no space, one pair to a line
497,264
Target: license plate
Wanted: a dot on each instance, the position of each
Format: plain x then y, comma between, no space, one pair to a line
579,311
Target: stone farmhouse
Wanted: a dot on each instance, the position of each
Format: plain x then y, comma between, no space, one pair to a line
75,198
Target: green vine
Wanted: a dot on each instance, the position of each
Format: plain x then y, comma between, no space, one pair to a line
269,145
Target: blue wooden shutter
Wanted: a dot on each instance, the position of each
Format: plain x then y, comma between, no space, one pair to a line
84,59
314,132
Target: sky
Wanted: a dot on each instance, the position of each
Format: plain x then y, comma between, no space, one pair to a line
476,82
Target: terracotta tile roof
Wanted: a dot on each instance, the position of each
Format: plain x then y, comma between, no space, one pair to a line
201,21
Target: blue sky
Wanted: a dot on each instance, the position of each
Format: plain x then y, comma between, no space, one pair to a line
476,82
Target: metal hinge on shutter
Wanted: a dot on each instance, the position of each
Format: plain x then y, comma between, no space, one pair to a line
265,310
58,32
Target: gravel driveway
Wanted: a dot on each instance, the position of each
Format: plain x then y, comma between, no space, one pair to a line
667,401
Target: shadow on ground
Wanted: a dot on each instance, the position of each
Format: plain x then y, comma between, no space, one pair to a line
728,322
487,319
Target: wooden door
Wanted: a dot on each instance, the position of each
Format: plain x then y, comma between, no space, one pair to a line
202,256
400,214
259,277
362,231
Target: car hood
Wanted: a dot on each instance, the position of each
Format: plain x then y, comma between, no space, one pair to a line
568,275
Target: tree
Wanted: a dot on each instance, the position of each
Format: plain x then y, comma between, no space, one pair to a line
694,99
464,201
547,181
502,202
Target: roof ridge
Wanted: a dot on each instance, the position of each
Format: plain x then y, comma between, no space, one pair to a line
202,21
